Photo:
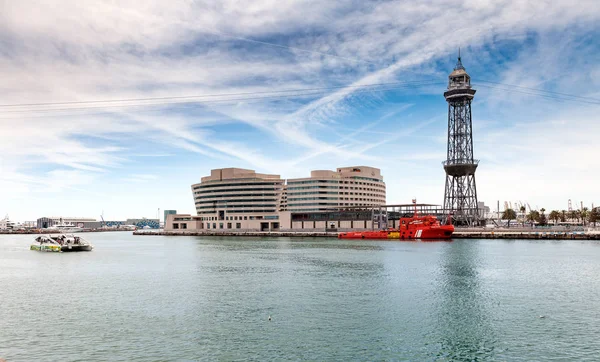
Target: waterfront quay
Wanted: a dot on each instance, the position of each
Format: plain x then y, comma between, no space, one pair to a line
470,233
53,231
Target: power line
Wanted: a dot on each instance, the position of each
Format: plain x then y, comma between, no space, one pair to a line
539,93
212,95
279,94
205,102
541,90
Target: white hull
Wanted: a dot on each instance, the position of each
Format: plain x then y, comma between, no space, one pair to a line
70,230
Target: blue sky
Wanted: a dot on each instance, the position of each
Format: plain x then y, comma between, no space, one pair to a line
130,158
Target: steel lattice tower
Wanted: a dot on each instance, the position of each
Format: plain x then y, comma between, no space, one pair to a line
460,196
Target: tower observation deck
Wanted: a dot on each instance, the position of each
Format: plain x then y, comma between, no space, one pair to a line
460,195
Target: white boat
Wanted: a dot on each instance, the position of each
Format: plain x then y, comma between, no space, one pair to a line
6,224
65,228
61,243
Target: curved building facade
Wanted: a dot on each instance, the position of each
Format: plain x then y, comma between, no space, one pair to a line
347,186
231,197
241,199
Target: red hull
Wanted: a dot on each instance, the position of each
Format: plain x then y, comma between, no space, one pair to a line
416,227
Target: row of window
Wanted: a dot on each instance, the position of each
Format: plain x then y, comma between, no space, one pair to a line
238,189
225,202
312,187
235,206
211,218
312,182
312,193
238,225
204,186
369,201
237,211
373,180
366,178
315,204
222,195
373,189
312,198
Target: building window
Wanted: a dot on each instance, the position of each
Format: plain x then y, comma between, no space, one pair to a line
245,217
184,225
214,225
229,225
175,226
238,225
220,225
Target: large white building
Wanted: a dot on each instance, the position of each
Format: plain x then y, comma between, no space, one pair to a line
240,199
236,198
347,186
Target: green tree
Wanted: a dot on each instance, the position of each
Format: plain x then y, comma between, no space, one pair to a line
543,221
533,216
585,212
594,216
563,215
509,214
554,216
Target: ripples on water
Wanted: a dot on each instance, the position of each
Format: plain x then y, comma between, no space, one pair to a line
140,298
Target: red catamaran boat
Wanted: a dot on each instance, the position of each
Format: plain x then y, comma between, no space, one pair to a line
415,227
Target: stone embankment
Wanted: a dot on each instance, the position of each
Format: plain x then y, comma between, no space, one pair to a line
45,231
563,235
239,233
458,234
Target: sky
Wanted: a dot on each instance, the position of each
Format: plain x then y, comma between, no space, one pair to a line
168,91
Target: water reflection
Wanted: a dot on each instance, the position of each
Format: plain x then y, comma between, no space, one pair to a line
465,330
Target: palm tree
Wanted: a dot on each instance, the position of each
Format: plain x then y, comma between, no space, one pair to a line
573,215
594,216
509,214
577,215
554,216
584,214
533,216
563,215
543,220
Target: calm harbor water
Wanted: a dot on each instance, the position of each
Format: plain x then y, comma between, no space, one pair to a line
154,298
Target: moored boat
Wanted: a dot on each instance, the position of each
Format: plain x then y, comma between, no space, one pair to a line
411,227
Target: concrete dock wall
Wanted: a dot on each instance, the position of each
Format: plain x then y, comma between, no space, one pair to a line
333,234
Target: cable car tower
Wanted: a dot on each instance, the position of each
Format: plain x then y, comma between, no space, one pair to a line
460,196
